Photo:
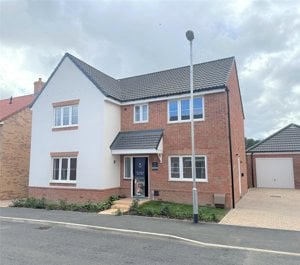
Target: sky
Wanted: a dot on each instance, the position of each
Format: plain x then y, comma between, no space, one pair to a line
128,38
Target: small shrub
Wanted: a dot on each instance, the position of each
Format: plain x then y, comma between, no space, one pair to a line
165,210
149,212
40,203
134,207
62,205
118,212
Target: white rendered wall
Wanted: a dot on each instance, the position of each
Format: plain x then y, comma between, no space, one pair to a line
69,83
111,126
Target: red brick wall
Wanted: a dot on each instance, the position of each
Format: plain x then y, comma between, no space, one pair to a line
237,134
296,165
15,136
72,194
211,139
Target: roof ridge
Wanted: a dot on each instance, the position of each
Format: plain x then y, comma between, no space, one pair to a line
17,97
271,136
177,68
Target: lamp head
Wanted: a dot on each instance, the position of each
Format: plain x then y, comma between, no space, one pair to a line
189,35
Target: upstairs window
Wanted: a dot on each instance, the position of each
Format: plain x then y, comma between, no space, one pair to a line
66,116
141,113
180,110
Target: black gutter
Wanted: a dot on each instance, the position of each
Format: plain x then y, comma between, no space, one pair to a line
230,149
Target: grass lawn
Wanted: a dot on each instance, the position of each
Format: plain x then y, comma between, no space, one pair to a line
177,211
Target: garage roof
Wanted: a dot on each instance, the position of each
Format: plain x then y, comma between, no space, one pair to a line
285,140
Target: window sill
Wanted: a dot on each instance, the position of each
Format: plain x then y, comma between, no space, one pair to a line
137,122
189,180
184,121
64,184
127,178
65,128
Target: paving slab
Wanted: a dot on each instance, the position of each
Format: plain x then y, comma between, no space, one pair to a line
267,208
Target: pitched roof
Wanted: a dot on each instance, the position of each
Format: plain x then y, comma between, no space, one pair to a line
285,140
209,75
10,107
148,139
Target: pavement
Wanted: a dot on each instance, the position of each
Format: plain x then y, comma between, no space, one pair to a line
219,235
267,208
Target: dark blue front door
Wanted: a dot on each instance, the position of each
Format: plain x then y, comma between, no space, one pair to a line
140,177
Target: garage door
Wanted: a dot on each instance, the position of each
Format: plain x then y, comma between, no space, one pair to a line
275,173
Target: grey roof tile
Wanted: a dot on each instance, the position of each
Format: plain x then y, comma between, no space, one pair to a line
209,75
285,140
148,139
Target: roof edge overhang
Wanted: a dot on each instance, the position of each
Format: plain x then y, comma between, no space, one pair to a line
296,152
134,151
166,97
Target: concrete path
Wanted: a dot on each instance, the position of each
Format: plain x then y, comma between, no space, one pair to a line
267,208
122,205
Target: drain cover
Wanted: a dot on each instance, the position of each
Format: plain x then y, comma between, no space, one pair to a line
43,227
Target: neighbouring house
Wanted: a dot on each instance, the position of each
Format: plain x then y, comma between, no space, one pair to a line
15,137
275,161
94,136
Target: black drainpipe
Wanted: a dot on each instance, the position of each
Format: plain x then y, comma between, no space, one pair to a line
252,170
230,149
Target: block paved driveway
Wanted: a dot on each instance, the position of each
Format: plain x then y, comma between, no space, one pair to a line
267,208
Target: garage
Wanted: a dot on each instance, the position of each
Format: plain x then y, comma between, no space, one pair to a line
275,173
275,161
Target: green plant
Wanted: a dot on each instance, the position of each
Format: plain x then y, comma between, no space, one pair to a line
165,210
118,212
134,207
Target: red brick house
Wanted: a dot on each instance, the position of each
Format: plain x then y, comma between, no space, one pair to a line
131,136
15,136
275,161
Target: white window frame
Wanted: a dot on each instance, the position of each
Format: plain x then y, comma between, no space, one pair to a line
59,180
141,113
181,169
62,116
131,167
179,110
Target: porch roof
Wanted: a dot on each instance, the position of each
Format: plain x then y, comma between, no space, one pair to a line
138,142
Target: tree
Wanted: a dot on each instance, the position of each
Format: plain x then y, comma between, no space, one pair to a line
250,142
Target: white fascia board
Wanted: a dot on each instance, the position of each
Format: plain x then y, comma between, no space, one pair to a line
219,90
133,151
274,153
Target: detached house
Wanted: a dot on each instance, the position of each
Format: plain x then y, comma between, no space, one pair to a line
15,137
94,136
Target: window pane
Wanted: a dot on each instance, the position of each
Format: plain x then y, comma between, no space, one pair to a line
173,111
198,108
127,173
64,169
57,112
200,168
75,114
137,113
73,168
187,167
175,172
145,112
185,109
55,175
66,111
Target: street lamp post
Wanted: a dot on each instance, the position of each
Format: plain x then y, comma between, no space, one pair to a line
190,36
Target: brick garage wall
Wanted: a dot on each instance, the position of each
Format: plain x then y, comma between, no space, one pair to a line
296,165
237,135
210,139
72,194
15,137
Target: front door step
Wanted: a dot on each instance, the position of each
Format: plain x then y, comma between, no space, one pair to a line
123,205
